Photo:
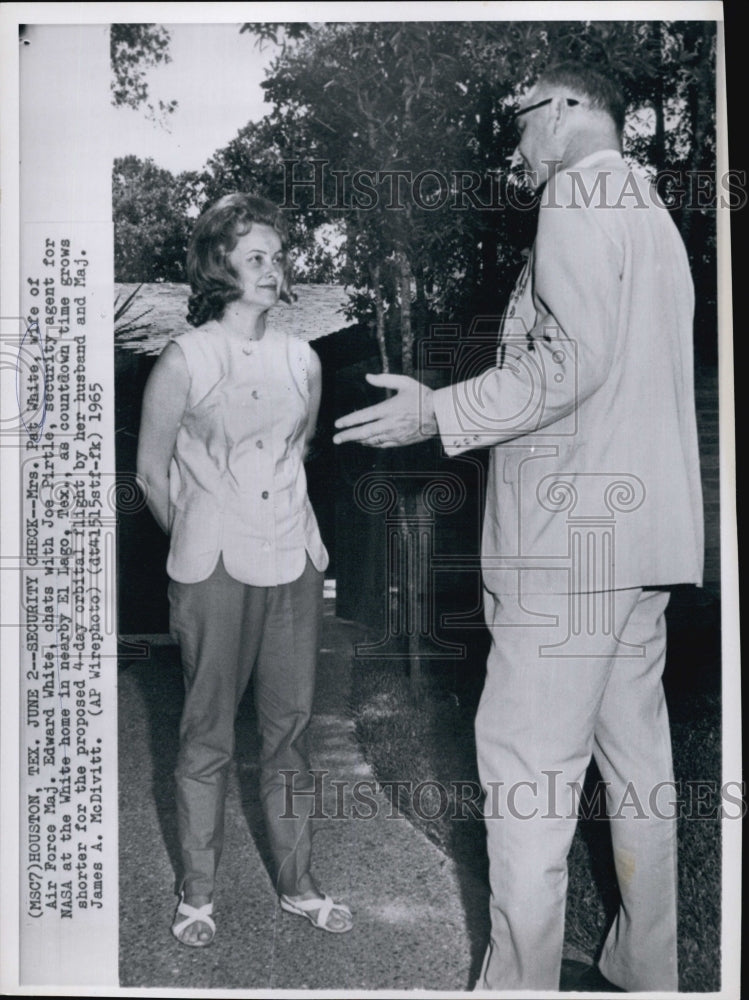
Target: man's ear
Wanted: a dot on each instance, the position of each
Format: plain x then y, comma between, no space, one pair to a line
557,110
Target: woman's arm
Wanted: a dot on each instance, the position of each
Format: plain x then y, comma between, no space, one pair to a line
315,392
164,403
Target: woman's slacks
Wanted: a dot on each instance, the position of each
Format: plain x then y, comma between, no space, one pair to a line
228,631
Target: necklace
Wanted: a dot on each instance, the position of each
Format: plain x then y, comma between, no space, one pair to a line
248,340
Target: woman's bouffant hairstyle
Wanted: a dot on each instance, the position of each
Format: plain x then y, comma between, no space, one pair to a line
213,281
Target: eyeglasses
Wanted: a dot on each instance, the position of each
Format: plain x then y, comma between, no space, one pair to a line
571,102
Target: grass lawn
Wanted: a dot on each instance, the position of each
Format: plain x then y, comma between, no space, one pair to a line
433,741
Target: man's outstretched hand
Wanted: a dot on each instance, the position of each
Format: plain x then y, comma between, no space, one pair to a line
405,418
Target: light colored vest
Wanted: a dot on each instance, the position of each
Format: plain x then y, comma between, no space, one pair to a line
237,484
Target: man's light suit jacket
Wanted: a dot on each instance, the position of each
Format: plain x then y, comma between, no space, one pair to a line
594,480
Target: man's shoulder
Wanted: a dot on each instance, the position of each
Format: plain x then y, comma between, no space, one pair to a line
608,182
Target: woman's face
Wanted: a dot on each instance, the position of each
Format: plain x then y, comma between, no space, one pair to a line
258,261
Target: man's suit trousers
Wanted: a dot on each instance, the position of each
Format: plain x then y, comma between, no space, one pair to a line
556,693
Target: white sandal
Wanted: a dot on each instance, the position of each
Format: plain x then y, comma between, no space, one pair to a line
317,911
193,915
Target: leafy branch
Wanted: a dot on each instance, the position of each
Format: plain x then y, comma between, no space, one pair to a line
134,49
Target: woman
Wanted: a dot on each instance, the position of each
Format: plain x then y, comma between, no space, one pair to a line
228,412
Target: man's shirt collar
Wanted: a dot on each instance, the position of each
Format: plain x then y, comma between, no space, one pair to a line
593,158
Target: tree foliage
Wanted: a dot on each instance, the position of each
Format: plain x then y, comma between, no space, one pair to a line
134,49
150,209
433,101
275,32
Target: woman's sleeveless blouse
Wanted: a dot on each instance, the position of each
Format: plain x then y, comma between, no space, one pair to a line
237,484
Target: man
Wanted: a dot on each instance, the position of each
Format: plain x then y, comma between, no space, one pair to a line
593,511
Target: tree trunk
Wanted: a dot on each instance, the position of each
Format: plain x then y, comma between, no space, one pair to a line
374,272
407,334
489,274
420,310
412,598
